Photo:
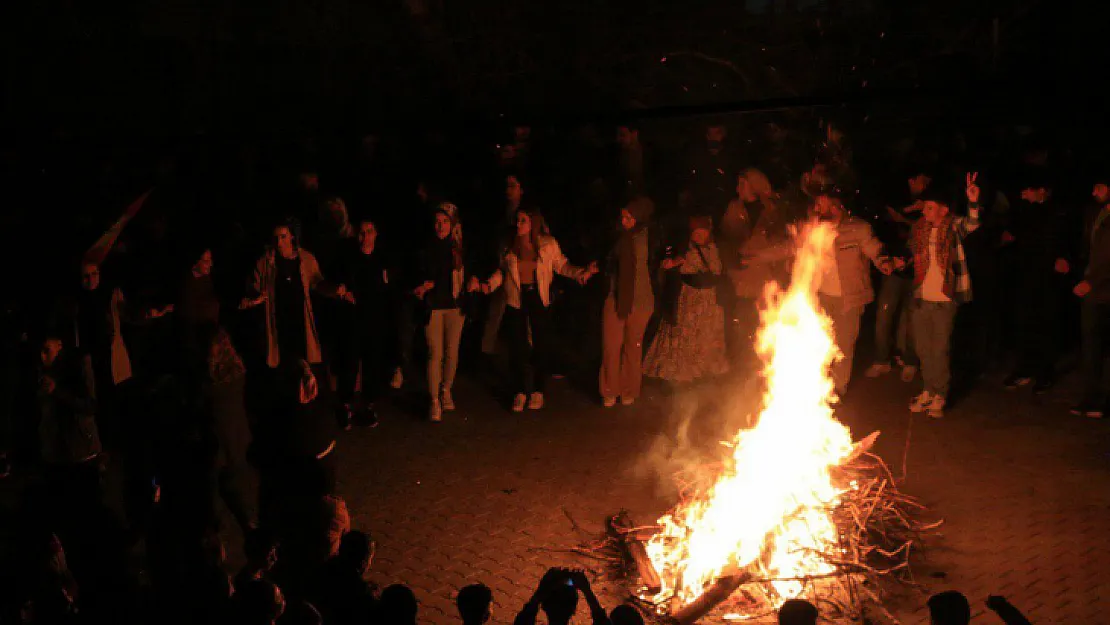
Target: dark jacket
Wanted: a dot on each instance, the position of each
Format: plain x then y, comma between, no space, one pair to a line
1095,253
66,417
437,265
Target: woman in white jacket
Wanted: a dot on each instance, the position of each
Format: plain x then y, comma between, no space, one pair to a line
528,265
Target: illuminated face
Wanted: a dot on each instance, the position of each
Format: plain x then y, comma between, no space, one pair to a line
283,239
918,184
50,350
1038,195
1101,193
367,235
523,224
700,236
934,211
513,190
203,266
744,190
90,277
626,136
825,207
443,226
628,222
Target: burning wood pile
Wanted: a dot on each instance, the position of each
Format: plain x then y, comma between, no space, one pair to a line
796,508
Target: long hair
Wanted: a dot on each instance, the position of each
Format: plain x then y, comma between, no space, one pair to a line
539,229
454,238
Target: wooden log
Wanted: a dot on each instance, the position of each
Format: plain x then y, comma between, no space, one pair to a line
620,525
720,591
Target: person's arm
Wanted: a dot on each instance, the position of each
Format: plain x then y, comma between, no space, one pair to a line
562,266
597,612
966,225
527,614
315,278
256,289
1007,612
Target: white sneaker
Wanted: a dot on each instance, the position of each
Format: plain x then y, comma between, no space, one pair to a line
398,379
535,401
909,372
877,369
921,402
435,412
936,407
446,399
608,402
627,401
518,402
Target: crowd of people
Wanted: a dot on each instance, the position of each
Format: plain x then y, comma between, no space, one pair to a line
188,363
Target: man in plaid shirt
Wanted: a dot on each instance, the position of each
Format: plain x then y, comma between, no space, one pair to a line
941,284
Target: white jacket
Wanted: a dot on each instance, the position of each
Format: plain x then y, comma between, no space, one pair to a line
549,261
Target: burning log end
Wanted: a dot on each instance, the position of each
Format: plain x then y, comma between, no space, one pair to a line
721,590
636,550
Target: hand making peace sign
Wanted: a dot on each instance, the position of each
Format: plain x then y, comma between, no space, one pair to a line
972,188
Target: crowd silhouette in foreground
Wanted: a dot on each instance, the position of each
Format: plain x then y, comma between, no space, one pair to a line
200,372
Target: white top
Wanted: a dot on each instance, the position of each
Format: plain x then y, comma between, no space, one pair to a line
932,289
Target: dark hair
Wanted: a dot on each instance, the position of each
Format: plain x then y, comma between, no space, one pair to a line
293,225
797,612
398,605
625,614
949,608
473,602
538,230
560,604
355,549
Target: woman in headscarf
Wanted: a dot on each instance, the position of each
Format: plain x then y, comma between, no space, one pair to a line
690,343
629,306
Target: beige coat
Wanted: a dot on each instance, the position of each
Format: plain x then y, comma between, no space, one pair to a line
265,273
549,261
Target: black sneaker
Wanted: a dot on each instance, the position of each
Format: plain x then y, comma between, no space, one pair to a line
343,417
367,418
1014,381
1043,386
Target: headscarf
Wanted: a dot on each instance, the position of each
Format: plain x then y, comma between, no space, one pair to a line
641,209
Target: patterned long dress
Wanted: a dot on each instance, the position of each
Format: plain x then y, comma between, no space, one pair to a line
692,345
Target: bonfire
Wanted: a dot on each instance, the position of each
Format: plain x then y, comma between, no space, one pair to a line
795,508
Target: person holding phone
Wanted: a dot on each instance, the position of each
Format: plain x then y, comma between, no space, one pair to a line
557,595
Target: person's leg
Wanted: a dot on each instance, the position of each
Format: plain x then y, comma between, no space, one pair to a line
345,360
922,338
632,353
846,329
1092,322
943,320
375,360
612,336
453,328
905,324
516,327
434,333
887,311
497,311
539,320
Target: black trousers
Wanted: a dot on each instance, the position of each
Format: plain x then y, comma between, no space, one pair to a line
1038,335
369,347
530,360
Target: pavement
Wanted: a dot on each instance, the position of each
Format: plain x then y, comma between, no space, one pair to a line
495,497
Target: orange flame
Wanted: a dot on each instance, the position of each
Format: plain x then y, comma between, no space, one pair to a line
770,508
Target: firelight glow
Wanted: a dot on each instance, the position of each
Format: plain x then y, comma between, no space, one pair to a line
769,511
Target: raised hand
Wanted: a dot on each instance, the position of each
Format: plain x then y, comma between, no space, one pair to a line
972,187
1062,265
1082,289
473,285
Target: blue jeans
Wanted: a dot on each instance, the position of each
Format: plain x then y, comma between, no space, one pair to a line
892,320
932,333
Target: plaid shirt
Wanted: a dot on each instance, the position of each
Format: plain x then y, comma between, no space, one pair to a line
959,275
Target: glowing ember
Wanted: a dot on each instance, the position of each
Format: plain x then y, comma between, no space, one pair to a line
770,509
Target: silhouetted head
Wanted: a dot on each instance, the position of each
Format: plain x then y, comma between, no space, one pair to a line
798,612
398,606
474,603
949,608
560,604
356,550
625,614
